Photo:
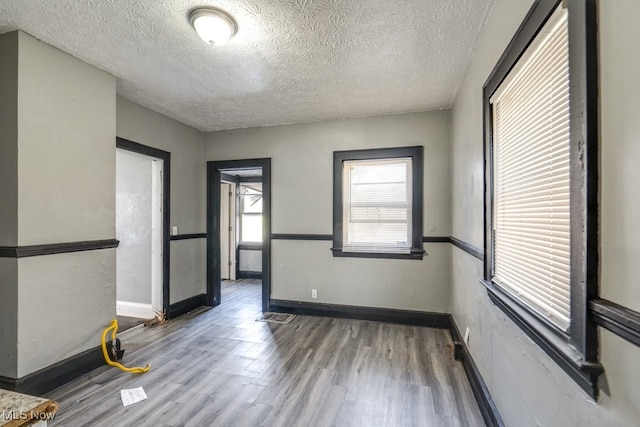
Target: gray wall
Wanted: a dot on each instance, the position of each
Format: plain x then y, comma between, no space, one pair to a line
527,386
141,125
66,186
8,317
133,226
620,155
65,302
66,161
8,138
9,206
302,176
250,260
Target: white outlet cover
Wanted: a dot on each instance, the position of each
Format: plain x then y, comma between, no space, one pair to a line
174,230
314,293
466,336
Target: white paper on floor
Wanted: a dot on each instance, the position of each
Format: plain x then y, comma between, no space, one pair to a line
132,395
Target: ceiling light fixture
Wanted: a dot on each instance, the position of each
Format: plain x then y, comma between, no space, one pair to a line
214,26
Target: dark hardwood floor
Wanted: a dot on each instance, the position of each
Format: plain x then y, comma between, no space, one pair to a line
221,367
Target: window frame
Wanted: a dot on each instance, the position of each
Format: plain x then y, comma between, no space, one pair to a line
576,352
417,167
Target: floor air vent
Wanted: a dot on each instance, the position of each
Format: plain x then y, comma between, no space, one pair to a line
276,318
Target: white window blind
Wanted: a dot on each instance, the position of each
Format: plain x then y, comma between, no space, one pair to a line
531,176
377,209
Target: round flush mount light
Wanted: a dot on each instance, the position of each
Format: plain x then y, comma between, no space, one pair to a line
214,26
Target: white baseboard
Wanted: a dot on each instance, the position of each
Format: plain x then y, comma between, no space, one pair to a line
135,309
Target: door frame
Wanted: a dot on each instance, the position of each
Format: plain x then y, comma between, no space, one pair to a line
165,156
214,171
232,222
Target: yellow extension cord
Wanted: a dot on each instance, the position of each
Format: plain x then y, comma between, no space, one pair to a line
114,329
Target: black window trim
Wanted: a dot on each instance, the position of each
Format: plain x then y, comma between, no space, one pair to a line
417,167
576,352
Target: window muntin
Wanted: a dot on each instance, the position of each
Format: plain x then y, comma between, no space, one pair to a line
531,182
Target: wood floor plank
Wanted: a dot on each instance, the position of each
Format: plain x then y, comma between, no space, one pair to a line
221,367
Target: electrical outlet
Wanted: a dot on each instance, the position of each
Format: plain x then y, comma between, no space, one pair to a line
314,293
174,230
466,336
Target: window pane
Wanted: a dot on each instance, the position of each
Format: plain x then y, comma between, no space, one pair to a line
531,240
251,228
252,204
251,197
376,237
378,214
377,205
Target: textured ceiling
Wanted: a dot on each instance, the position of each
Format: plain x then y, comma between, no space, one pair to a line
291,61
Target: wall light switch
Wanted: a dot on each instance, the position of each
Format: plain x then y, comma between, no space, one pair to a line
174,230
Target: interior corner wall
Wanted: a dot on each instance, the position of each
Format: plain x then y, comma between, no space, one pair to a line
528,388
9,318
8,139
66,187
302,200
9,205
66,131
188,257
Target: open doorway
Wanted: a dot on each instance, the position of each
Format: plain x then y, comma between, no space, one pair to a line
241,219
142,229
228,226
239,200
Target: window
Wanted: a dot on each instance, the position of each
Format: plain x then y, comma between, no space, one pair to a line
378,203
531,175
250,212
541,140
